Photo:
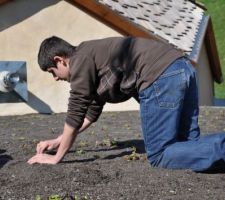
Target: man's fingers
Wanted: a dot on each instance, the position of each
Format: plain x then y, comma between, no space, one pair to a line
41,146
50,147
42,159
32,160
38,148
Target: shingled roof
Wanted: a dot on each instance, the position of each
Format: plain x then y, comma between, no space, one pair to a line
175,21
179,22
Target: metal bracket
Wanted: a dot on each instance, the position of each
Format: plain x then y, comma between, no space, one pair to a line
13,79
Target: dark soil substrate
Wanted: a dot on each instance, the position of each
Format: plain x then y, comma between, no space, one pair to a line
106,162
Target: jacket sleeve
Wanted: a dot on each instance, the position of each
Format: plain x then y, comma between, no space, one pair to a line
83,87
94,110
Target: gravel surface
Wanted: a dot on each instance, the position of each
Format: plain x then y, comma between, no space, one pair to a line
107,162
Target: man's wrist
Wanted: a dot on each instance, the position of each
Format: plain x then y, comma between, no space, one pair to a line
57,159
58,139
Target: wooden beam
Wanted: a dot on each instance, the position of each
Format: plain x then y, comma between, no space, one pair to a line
111,18
211,47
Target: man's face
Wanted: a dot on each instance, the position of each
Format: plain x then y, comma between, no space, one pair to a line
61,72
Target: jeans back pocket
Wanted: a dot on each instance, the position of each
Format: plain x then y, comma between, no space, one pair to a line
170,88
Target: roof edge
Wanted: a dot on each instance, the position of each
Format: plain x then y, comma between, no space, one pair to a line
212,52
199,39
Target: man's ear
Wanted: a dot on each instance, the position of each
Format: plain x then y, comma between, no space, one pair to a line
58,59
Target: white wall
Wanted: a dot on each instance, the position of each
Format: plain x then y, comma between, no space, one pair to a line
23,25
205,80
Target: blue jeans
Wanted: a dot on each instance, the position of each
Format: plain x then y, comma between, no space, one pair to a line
169,116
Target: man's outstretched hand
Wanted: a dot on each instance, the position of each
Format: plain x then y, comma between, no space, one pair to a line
63,143
43,146
43,158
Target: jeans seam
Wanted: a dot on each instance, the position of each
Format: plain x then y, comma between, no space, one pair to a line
173,73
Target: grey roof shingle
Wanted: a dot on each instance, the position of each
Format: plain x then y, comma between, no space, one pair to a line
176,21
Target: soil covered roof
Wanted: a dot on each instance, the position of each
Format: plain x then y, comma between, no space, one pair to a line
106,162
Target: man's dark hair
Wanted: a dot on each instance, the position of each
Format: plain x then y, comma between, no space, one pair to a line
51,47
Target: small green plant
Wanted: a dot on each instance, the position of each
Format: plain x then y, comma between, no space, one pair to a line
21,138
83,144
38,197
82,198
53,130
106,142
80,151
57,197
54,197
207,113
134,155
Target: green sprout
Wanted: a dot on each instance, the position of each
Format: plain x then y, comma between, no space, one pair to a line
54,197
52,130
38,197
134,155
82,144
106,142
80,151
